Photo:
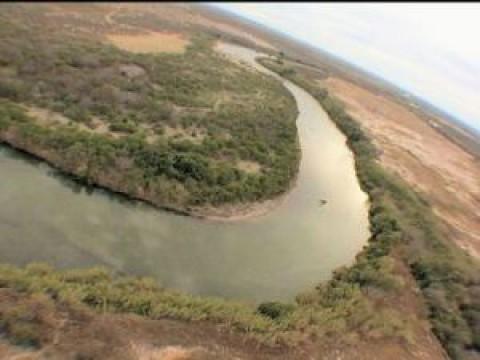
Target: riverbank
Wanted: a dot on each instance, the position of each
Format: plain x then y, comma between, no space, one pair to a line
104,180
368,308
223,213
178,250
240,212
182,131
109,180
428,160
405,228
108,177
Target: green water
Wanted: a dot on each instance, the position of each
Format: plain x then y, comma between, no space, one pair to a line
46,217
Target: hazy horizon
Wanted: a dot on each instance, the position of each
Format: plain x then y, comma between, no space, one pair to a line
426,49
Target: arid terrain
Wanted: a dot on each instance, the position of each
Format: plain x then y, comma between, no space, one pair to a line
70,333
447,174
151,43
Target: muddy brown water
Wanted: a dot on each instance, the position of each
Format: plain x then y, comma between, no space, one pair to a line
44,216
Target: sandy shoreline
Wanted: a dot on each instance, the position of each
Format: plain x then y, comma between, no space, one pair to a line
243,211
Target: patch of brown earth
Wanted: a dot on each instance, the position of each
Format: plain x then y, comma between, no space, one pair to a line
10,352
145,352
238,212
48,118
250,167
131,70
76,332
70,331
98,126
448,175
151,42
192,133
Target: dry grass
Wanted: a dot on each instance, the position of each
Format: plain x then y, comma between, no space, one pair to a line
430,162
7,71
10,352
251,167
46,117
193,134
152,42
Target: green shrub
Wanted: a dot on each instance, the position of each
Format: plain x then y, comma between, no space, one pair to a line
274,309
123,126
19,323
399,217
80,79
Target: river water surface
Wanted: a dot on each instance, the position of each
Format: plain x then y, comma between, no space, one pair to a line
46,217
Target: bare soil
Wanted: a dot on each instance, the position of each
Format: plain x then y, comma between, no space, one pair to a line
71,332
152,42
48,118
193,134
448,175
238,212
251,167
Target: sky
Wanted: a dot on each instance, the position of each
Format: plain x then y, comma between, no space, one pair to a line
429,49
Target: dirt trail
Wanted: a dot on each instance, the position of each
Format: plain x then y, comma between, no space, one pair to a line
110,14
110,21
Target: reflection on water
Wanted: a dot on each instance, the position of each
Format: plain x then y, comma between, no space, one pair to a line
45,216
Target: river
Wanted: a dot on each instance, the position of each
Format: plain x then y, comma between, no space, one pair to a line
44,216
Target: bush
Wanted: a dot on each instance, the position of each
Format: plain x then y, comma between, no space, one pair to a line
123,126
11,89
81,79
274,309
20,324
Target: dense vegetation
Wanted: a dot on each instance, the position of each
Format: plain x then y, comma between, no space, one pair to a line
338,308
449,278
177,127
